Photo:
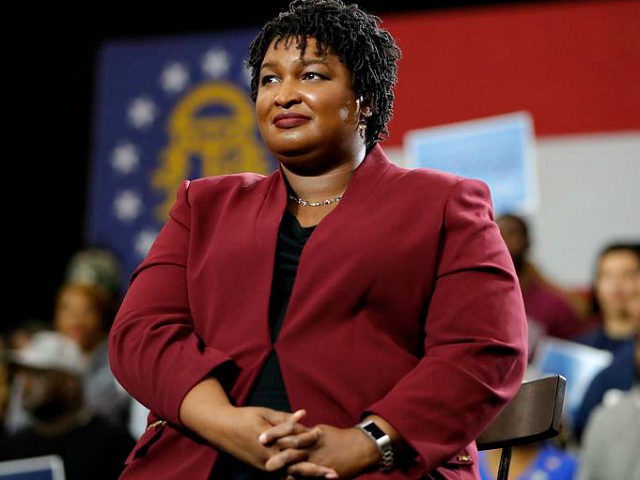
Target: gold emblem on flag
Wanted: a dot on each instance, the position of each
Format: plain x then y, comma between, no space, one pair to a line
213,125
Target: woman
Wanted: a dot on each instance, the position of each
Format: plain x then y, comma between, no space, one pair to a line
275,313
617,270
84,312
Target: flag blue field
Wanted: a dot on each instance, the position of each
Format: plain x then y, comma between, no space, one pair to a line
166,109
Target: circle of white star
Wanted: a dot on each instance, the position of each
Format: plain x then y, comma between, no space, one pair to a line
216,63
142,112
127,205
174,77
143,241
125,157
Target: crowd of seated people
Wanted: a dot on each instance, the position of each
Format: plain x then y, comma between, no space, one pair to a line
52,369
607,319
57,393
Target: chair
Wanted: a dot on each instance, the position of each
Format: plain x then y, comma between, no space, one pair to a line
534,414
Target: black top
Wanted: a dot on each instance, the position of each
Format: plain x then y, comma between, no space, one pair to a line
269,389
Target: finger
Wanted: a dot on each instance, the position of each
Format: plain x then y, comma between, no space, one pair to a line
298,415
284,458
273,434
309,469
288,427
275,417
301,440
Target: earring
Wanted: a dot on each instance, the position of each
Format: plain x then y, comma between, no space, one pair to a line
362,128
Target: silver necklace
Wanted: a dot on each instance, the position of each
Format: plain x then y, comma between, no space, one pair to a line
307,203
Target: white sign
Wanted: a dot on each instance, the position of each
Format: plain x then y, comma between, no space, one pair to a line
498,150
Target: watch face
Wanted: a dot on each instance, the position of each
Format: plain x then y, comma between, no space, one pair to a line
374,430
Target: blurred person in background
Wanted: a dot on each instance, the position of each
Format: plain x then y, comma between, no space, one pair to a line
611,438
84,312
551,310
620,375
18,334
633,305
616,273
342,316
97,266
52,367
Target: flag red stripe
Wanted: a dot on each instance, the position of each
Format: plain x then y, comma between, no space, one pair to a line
575,66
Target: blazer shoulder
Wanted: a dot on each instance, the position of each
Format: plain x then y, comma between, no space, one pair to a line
431,178
226,184
231,180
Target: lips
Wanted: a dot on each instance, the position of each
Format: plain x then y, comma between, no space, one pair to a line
289,120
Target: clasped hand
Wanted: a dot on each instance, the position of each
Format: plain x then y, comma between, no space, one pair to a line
275,441
321,451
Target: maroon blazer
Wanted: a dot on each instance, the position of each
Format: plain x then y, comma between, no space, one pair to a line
406,304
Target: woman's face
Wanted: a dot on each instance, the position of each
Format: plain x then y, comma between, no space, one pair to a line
634,302
79,317
307,112
616,281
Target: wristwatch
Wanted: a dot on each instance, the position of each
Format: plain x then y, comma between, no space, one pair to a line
382,441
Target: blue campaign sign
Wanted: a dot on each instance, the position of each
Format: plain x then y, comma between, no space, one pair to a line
167,109
46,467
498,150
576,362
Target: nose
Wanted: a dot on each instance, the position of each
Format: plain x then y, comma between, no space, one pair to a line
287,93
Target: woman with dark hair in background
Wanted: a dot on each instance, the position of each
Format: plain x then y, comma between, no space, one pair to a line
342,316
617,268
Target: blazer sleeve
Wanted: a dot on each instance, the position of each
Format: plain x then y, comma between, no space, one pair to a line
475,336
154,350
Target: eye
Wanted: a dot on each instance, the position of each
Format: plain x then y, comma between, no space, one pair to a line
313,76
268,79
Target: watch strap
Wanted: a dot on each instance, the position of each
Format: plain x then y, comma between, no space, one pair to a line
382,441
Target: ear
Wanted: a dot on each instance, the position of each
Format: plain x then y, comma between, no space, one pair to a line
366,106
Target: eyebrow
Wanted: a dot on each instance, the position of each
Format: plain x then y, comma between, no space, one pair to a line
303,62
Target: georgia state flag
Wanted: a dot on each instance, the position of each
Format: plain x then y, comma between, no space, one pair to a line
167,109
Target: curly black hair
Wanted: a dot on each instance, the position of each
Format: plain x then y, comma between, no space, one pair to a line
368,51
